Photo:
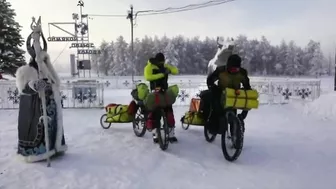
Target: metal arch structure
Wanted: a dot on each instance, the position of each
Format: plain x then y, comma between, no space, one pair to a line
80,40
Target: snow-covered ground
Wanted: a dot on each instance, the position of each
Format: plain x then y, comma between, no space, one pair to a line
323,107
284,149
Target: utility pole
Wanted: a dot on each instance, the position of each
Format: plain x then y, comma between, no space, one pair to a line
131,17
335,72
329,64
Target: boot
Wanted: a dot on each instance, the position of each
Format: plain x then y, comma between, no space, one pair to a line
172,138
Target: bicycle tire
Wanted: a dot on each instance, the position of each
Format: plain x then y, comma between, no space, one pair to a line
103,120
140,118
208,136
164,143
238,133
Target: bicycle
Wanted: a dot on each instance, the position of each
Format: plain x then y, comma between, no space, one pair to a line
140,128
231,128
234,132
139,123
163,140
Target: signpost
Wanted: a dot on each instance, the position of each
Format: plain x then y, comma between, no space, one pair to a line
335,73
80,39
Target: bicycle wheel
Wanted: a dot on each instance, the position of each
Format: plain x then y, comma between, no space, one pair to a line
139,123
185,126
103,121
233,137
208,136
162,131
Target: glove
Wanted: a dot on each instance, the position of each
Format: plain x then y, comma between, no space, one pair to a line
38,85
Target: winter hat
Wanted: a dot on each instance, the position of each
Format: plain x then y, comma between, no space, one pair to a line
152,60
234,61
160,57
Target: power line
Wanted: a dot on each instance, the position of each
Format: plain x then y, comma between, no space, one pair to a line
168,10
186,9
190,6
108,15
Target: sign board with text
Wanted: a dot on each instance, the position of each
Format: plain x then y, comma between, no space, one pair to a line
82,45
60,39
88,51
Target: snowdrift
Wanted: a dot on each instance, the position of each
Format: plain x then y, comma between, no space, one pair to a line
323,107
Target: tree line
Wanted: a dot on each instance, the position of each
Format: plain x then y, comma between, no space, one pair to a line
192,55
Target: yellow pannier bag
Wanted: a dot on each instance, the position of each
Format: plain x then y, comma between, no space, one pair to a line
240,99
140,92
174,89
193,118
118,114
249,94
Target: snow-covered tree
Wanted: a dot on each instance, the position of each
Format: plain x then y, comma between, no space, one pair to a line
265,50
192,55
314,58
11,56
106,61
171,54
292,61
122,57
280,58
243,48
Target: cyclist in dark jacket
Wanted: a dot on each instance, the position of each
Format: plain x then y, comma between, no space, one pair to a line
231,75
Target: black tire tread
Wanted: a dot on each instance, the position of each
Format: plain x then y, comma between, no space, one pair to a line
240,138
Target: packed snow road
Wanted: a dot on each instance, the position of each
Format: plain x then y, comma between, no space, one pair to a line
282,149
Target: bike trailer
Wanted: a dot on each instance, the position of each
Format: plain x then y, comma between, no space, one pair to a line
118,113
193,118
194,104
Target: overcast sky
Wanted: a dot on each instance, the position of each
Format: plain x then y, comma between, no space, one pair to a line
299,20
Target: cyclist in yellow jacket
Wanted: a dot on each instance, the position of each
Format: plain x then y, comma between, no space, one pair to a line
156,72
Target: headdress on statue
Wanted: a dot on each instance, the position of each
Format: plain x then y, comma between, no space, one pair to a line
36,33
39,56
225,52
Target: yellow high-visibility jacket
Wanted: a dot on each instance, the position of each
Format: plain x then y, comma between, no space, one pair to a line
156,75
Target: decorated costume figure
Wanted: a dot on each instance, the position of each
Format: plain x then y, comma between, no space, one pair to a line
40,102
